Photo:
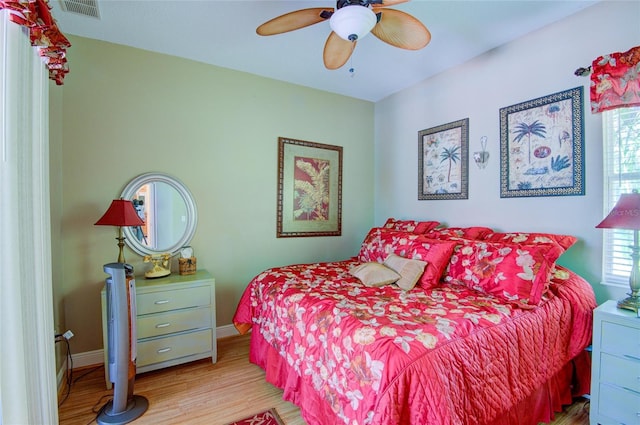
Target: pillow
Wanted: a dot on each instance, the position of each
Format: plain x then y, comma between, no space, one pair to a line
409,270
410,225
374,274
565,241
516,273
459,232
380,242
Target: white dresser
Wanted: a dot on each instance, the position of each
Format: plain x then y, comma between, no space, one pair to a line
176,321
615,377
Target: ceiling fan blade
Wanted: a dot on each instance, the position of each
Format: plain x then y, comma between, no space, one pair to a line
387,3
337,51
401,30
294,20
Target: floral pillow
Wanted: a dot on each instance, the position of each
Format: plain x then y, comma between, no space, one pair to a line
516,273
459,232
380,242
565,241
410,225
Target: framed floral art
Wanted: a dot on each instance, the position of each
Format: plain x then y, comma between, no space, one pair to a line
443,161
309,189
541,146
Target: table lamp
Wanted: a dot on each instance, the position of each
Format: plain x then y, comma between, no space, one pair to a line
121,213
626,215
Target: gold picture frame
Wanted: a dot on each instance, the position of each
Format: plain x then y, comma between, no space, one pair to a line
309,189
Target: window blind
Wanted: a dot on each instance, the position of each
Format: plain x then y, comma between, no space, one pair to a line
621,128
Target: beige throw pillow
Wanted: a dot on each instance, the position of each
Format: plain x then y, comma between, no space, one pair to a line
374,274
409,270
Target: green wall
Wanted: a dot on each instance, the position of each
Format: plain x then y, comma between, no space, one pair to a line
126,111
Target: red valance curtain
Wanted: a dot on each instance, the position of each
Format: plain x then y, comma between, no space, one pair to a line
614,81
43,32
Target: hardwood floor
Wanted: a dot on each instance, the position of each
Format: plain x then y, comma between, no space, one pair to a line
211,394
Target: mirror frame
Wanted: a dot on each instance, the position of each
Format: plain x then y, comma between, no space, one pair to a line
129,192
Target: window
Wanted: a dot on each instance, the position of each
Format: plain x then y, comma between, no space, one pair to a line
621,128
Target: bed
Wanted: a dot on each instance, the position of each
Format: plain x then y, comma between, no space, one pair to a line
489,330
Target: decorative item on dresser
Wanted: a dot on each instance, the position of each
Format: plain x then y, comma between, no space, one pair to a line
615,377
121,213
186,261
159,265
176,321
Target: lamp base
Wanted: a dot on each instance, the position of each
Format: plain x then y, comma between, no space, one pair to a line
632,302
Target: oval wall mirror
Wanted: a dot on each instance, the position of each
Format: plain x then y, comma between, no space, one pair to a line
168,210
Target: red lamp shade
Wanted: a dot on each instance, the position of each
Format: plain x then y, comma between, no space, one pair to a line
120,213
625,214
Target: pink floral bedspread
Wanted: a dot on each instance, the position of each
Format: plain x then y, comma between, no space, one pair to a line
447,355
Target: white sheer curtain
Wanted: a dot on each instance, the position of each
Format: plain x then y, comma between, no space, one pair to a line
27,363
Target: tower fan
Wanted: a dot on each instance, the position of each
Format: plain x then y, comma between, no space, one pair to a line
121,333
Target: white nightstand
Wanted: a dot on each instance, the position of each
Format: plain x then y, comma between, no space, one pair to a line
176,321
615,376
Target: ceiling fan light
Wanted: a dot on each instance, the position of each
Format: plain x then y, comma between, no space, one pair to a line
352,22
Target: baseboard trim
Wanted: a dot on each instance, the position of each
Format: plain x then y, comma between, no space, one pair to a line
88,358
61,379
96,357
225,331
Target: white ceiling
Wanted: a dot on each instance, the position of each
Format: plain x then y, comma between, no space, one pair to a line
223,33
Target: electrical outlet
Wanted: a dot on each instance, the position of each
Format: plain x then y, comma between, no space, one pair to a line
68,335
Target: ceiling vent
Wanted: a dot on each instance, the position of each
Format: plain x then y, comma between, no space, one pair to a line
81,7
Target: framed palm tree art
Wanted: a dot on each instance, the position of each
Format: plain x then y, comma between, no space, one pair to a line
443,161
541,146
309,189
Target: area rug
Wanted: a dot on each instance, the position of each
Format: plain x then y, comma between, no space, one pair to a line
268,417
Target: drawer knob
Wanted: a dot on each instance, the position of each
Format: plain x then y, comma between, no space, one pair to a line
163,325
164,350
161,302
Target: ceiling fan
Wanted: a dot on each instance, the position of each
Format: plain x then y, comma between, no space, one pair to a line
350,21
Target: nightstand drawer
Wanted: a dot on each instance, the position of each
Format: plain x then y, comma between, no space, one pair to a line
155,302
620,405
621,372
173,347
620,339
174,321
